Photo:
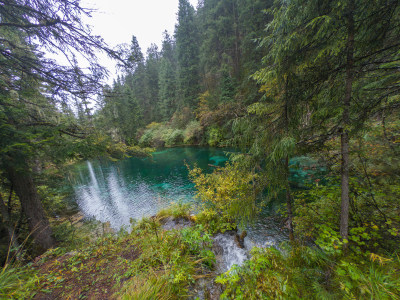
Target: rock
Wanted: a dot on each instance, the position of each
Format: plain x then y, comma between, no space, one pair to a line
240,239
179,223
207,289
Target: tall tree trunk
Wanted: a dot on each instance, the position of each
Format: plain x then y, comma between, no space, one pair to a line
237,38
288,195
289,201
32,207
345,140
7,223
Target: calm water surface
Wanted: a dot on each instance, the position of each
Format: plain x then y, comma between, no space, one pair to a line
115,192
137,187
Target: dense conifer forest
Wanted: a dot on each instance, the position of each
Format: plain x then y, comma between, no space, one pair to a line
274,80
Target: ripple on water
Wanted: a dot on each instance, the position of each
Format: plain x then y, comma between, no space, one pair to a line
134,188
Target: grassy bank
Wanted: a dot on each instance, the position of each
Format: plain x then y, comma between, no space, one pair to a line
156,262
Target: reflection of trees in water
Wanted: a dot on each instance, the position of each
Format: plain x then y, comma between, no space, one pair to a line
134,188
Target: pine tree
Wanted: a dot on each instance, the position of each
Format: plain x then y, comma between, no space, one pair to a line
187,46
167,78
335,47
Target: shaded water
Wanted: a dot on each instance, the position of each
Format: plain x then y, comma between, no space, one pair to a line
115,192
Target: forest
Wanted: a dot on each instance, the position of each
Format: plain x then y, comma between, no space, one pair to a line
275,80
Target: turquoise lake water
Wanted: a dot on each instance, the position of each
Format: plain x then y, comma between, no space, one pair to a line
115,192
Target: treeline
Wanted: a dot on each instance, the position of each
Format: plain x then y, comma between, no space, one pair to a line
41,129
276,80
196,83
329,79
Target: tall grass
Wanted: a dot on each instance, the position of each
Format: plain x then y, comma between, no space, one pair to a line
175,210
154,286
17,282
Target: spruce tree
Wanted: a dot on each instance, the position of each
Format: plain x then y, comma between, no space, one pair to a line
187,47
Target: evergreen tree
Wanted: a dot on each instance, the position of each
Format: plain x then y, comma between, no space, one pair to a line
187,46
152,85
345,54
34,88
167,78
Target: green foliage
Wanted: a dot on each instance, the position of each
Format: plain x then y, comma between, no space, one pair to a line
182,117
372,280
181,254
215,136
213,49
292,104
375,232
175,210
296,273
162,134
214,222
199,242
303,272
329,240
231,191
187,54
148,261
319,205
174,138
153,286
17,282
193,133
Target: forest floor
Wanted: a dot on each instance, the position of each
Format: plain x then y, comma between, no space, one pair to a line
161,258
93,273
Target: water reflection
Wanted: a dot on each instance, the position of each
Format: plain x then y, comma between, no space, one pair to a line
133,188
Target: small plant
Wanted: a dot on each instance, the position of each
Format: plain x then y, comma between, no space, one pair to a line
230,191
175,210
153,286
213,222
17,282
193,133
175,137
379,279
272,274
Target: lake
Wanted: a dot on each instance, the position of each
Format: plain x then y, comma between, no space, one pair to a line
133,188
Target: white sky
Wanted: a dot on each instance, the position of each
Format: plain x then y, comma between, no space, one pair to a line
117,20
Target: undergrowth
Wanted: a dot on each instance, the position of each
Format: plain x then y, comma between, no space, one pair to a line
17,282
301,272
153,263
147,263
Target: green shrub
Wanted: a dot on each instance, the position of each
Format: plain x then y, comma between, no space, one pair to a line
296,273
175,210
229,191
214,222
181,118
215,136
174,137
181,255
375,230
378,279
153,286
193,133
147,138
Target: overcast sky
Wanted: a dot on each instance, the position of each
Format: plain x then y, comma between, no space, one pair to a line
117,20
